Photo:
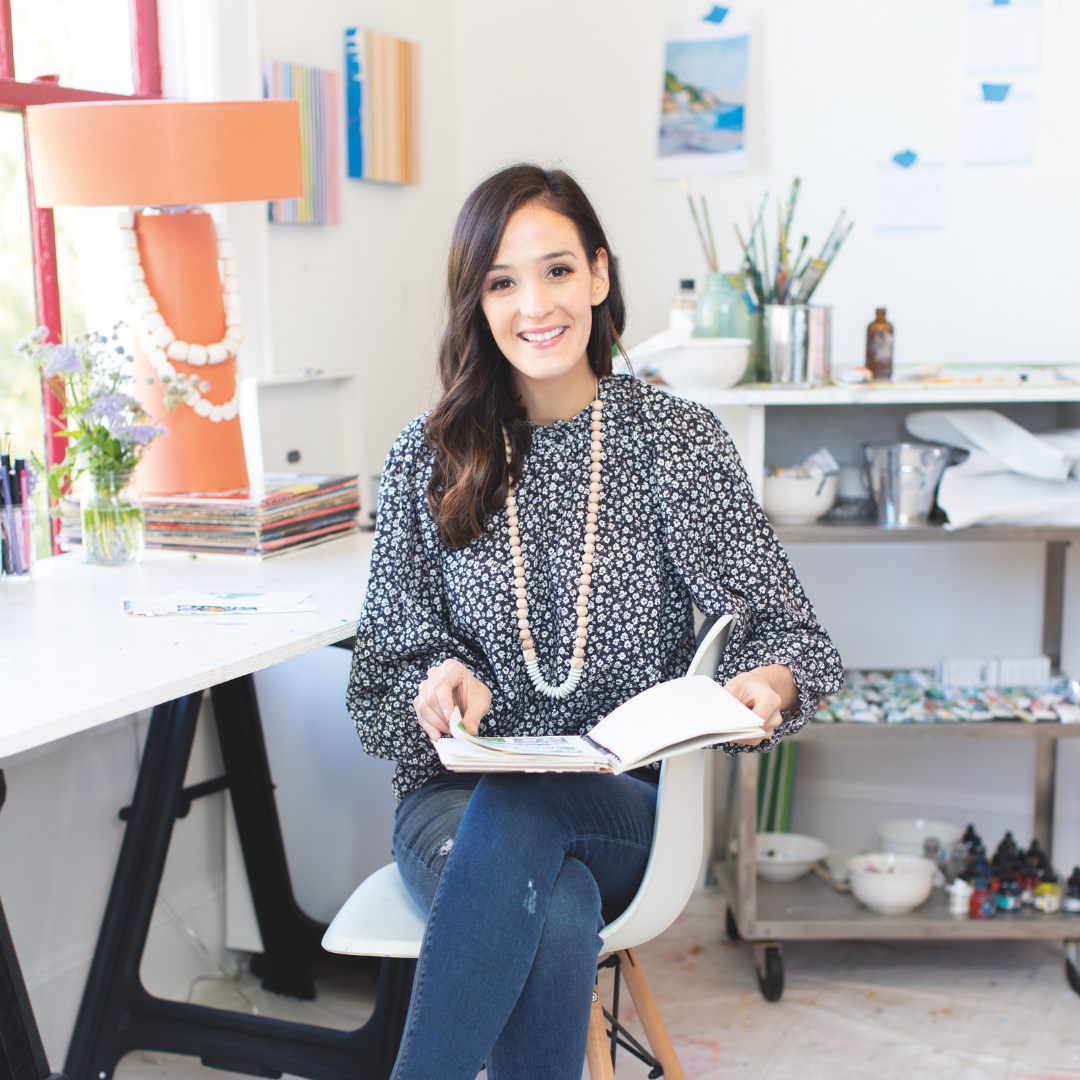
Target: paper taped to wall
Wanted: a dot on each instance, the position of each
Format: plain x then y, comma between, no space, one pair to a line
1004,37
999,130
910,198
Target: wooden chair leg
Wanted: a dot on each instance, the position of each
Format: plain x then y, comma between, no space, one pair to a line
598,1049
649,1014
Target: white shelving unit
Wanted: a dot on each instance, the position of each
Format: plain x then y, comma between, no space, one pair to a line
766,913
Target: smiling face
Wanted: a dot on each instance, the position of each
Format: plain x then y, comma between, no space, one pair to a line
538,299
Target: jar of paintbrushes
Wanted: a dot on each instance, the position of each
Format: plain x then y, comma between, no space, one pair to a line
797,335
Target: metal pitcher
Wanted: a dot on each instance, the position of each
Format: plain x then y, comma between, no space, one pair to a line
902,479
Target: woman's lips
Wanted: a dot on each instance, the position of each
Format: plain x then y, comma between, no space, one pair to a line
543,337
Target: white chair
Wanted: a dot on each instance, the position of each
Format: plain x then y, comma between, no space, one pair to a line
380,919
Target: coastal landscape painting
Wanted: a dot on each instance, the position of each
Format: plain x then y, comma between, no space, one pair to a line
703,105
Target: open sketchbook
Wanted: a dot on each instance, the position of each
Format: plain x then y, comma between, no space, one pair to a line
667,719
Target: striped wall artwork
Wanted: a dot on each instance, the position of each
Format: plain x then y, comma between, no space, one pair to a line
381,98
319,95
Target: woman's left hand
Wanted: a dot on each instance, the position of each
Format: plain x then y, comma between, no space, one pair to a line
769,692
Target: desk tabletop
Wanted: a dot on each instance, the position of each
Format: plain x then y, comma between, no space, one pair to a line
69,659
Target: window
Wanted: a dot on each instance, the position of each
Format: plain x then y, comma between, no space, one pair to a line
52,51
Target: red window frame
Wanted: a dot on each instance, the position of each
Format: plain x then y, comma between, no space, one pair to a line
14,97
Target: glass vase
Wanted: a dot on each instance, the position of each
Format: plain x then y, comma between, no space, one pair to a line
721,308
112,519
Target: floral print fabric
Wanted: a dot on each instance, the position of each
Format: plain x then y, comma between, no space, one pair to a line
678,525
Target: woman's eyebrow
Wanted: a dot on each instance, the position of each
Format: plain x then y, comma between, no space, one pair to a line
543,258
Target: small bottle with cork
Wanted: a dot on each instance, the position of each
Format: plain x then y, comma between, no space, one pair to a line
879,346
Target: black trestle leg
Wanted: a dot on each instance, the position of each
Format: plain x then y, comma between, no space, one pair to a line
117,1014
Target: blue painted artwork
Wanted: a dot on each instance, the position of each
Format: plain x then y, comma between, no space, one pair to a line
704,96
354,90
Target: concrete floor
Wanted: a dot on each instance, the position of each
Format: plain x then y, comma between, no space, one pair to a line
939,1011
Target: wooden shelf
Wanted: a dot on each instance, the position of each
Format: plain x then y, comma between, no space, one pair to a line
869,533
913,393
985,729
810,909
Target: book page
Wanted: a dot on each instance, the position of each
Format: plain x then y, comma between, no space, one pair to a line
671,713
546,745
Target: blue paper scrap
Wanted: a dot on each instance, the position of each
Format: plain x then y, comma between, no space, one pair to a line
905,159
717,14
995,91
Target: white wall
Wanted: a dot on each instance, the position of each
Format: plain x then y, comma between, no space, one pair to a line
365,296
836,88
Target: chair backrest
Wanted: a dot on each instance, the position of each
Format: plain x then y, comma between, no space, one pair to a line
678,833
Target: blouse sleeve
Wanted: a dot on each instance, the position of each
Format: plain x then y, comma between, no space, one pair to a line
724,548
405,627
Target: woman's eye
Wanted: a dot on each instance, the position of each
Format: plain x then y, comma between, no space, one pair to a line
499,284
560,271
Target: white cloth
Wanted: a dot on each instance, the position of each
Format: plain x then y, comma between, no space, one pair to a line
1011,476
984,429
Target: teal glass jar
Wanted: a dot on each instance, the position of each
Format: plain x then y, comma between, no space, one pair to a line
721,309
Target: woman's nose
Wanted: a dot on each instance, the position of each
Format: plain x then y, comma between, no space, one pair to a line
536,300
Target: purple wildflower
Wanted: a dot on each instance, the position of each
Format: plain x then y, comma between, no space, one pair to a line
62,358
141,433
108,407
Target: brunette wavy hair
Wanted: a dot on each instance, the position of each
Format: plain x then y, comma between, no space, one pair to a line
465,429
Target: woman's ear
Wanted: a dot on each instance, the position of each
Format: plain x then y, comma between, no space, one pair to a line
600,282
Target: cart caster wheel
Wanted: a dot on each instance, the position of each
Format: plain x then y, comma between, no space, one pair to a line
770,971
1072,976
731,927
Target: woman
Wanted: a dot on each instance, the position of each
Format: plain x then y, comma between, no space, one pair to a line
542,536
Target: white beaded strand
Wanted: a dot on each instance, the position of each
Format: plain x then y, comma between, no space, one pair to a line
156,338
528,646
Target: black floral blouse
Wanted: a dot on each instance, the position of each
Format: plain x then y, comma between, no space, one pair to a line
678,525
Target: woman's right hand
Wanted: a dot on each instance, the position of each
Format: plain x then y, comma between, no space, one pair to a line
451,684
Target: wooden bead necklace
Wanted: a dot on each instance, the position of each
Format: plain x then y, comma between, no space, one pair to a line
528,646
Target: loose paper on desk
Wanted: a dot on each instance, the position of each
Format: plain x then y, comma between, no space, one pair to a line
910,195
999,126
667,719
216,603
1004,37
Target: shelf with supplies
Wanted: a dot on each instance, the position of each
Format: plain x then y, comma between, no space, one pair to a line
802,419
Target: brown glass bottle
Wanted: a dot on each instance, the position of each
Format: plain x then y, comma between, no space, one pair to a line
879,346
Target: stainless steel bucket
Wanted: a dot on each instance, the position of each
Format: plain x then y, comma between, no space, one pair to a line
903,479
798,342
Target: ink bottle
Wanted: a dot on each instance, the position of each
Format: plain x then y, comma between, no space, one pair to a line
1071,900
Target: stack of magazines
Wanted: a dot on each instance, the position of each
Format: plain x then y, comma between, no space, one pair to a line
292,512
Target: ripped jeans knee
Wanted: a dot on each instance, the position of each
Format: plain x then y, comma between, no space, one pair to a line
425,825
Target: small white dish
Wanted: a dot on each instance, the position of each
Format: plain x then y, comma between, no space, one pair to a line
790,499
890,884
705,363
905,836
787,856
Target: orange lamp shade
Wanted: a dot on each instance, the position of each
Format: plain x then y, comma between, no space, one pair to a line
164,153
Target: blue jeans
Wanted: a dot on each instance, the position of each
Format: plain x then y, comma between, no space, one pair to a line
519,873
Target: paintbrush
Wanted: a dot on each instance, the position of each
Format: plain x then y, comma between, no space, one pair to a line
713,262
710,257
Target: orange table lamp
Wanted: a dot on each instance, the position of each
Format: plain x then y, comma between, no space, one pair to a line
163,157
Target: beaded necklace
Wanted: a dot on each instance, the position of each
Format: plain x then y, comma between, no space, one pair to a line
528,646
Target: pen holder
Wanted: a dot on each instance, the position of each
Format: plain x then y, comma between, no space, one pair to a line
16,541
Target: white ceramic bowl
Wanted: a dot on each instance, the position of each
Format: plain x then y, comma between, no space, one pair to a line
890,884
705,363
905,836
798,500
787,856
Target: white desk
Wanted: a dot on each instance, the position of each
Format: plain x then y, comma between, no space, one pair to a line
69,659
